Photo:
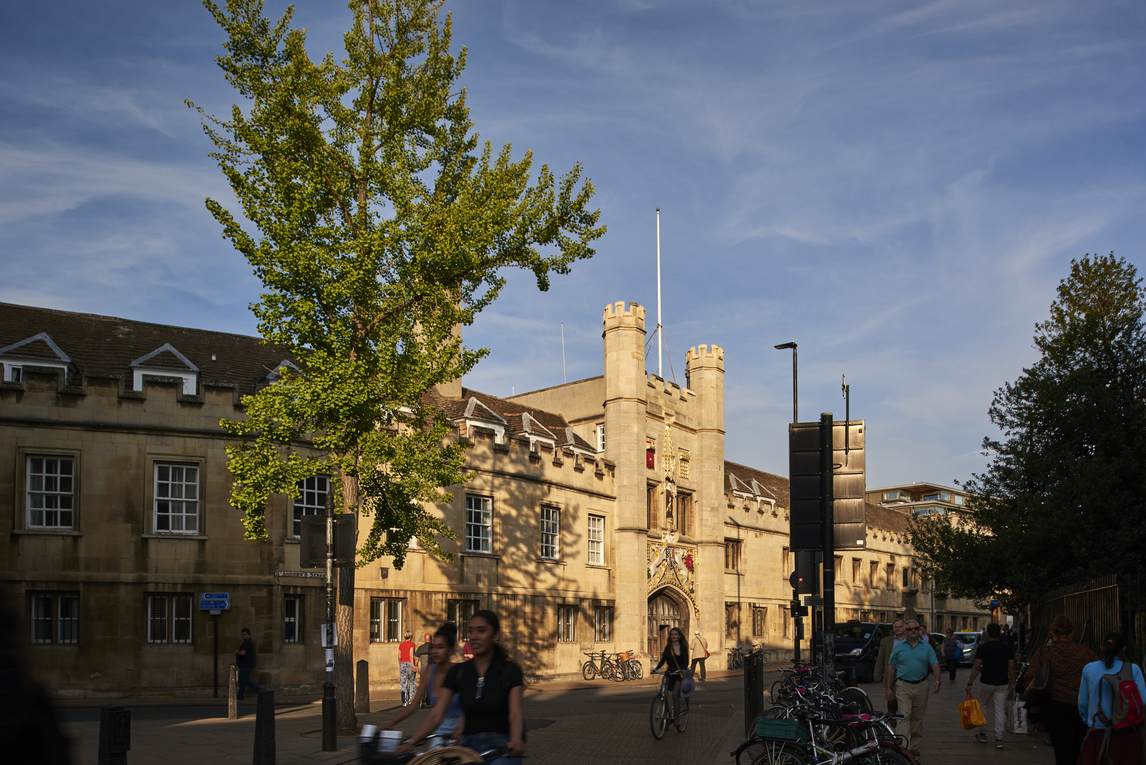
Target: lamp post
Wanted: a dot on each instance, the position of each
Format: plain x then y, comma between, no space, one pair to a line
795,398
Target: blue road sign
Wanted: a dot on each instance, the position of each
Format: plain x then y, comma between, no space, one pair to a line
215,601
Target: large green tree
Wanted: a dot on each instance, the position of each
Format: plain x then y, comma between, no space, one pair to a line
377,224
1064,496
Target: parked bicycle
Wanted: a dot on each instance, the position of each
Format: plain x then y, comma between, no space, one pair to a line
735,658
629,666
661,713
607,669
370,745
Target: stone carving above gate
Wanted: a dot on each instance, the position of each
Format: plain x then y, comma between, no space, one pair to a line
673,565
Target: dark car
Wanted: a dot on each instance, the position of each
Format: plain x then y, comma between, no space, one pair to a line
857,645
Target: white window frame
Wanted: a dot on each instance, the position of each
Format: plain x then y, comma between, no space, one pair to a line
387,620
603,624
550,524
479,524
566,624
460,612
158,603
595,540
600,437
890,495
177,618
47,621
50,491
292,619
311,500
172,492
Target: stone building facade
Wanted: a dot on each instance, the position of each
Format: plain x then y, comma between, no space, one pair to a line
601,513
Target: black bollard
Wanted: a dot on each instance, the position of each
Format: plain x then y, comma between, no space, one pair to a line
362,688
265,729
114,735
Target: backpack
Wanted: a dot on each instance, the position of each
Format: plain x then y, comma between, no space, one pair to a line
1127,704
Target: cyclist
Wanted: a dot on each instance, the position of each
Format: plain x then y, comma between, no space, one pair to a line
489,688
430,686
675,654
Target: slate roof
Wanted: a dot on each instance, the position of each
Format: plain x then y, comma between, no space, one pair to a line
516,425
106,346
740,477
883,518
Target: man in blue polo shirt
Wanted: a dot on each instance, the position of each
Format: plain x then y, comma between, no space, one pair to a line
914,662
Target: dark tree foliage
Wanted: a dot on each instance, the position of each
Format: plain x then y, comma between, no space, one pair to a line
1064,496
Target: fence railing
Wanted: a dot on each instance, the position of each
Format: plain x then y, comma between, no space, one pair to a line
1096,608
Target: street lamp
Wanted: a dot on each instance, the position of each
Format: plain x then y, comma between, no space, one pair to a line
795,407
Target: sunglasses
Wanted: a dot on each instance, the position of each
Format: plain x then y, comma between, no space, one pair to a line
914,629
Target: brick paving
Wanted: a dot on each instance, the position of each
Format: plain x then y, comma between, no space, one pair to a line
570,723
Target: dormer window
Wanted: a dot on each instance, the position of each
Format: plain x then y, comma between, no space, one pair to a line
165,361
36,351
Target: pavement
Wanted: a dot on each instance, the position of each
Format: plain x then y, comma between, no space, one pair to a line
568,722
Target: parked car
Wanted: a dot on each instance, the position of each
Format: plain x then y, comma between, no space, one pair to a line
857,645
968,641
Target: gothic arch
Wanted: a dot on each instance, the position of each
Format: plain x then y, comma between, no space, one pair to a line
668,608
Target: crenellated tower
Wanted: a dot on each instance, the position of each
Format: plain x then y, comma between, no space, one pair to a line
705,367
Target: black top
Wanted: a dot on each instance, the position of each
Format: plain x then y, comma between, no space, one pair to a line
489,712
674,661
423,650
995,654
247,660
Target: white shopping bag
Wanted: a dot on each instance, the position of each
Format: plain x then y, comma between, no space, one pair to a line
1017,719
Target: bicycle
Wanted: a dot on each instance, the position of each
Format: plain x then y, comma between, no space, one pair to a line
590,670
735,658
369,753
629,668
660,714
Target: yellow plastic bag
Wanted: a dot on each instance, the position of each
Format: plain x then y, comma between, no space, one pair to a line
971,714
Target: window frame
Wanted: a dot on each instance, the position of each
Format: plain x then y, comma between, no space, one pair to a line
595,540
731,555
52,632
550,528
603,624
384,627
684,517
293,620
600,432
158,464
178,618
300,507
759,621
566,624
482,522
461,611
29,492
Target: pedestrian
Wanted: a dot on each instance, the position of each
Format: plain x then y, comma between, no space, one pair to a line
439,661
467,651
422,659
490,689
406,668
1059,715
886,645
675,656
996,661
245,663
952,651
699,650
912,661
1103,743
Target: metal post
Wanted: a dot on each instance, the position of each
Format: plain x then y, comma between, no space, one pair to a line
797,623
114,735
232,693
265,729
329,703
215,622
362,686
827,520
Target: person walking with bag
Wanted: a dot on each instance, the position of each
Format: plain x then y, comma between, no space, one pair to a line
1058,708
1106,700
913,661
996,661
699,649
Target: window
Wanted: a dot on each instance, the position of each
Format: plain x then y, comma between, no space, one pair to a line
169,618
891,495
684,513
731,555
958,500
906,577
603,624
459,612
176,499
479,524
311,500
15,374
838,569
682,465
566,621
787,620
855,570
784,564
55,618
550,532
385,621
292,618
596,540
600,438
732,621
759,618
873,575
51,492
890,576
651,507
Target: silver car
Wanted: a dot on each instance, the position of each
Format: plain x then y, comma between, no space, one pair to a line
968,641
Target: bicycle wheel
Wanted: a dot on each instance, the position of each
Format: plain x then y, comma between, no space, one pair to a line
638,670
683,715
888,754
780,753
777,692
658,717
588,670
606,671
857,700
618,673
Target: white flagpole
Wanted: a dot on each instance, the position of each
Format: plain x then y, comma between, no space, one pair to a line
660,336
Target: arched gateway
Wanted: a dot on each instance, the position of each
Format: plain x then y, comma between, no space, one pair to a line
667,609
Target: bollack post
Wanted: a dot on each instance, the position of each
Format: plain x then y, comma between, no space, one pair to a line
362,687
114,735
265,729
233,694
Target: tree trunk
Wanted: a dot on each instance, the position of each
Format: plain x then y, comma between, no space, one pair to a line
344,624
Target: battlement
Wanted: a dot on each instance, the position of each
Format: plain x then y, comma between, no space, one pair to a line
616,315
701,356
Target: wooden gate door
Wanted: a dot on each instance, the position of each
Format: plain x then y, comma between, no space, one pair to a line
664,614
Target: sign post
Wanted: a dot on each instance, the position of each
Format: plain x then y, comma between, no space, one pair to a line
216,603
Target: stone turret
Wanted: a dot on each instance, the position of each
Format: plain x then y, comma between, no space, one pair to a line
705,367
625,391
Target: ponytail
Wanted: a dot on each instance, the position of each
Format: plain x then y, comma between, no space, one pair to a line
1112,646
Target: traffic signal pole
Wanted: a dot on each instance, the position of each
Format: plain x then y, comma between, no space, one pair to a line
827,520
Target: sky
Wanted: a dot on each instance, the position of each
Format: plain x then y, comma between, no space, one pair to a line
898,187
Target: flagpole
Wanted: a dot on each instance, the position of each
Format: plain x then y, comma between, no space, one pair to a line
660,335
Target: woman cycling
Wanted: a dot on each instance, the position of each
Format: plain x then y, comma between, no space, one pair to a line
441,652
676,657
489,688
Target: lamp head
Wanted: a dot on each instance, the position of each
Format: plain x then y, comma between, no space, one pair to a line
785,346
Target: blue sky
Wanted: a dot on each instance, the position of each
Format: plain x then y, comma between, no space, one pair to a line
896,186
